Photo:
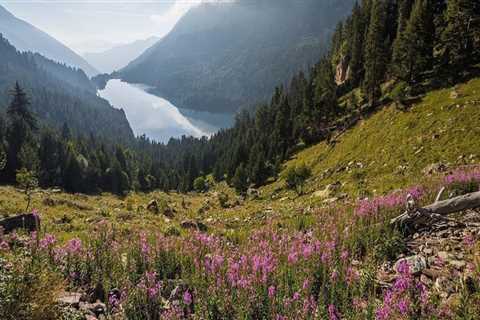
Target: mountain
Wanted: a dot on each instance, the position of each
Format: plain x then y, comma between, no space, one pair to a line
221,57
119,56
60,94
26,37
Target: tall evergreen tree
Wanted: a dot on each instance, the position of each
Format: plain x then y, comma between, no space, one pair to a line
413,50
459,35
375,52
21,124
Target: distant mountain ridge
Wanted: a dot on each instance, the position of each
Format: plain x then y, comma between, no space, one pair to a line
60,94
119,56
26,37
222,57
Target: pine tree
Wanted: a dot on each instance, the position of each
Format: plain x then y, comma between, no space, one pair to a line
413,51
21,124
356,51
375,53
459,35
240,179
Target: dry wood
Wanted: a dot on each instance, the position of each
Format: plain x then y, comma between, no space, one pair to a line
414,217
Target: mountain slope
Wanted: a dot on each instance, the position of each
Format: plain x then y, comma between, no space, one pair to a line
60,94
221,57
26,37
392,148
119,56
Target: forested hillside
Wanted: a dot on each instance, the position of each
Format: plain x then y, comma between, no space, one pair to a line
372,63
221,57
26,37
60,94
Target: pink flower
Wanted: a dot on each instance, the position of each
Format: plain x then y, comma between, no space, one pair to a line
403,307
4,245
48,241
333,313
35,213
271,292
187,298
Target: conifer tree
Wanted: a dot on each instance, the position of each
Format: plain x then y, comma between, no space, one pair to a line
21,124
375,52
459,35
240,179
357,40
413,51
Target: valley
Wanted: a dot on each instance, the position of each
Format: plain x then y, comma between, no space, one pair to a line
257,160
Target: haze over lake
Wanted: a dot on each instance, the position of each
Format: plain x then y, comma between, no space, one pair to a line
158,118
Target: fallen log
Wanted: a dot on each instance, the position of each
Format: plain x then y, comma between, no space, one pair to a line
415,216
29,222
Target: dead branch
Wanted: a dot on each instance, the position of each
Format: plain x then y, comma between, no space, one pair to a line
414,217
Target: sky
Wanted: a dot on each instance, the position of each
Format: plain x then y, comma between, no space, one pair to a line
98,25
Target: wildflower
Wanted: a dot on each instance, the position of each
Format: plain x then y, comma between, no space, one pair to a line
469,240
403,307
271,292
333,313
48,241
36,214
383,313
296,296
334,275
74,246
4,245
344,255
187,298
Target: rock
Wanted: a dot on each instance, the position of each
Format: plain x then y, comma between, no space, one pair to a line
432,273
153,206
454,94
444,285
435,168
253,193
328,192
458,264
417,263
443,255
70,299
342,72
48,202
190,224
426,280
96,309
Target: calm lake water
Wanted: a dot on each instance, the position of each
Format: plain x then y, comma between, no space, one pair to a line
158,118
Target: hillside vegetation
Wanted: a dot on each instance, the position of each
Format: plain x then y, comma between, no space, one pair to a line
391,148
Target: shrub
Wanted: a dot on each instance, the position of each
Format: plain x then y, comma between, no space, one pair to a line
296,177
200,184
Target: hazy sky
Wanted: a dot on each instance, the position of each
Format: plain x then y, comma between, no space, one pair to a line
97,25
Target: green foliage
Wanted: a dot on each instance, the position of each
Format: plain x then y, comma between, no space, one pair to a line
240,180
413,48
375,52
200,184
295,177
28,181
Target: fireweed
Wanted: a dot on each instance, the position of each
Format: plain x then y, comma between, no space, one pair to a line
277,273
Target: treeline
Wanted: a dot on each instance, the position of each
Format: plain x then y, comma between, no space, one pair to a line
409,44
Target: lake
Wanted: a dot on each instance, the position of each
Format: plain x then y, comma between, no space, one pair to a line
156,117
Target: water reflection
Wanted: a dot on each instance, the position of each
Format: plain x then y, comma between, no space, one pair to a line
158,118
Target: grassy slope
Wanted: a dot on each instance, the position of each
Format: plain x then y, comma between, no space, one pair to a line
387,140
437,129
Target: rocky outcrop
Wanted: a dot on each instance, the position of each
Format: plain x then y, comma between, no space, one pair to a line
342,72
